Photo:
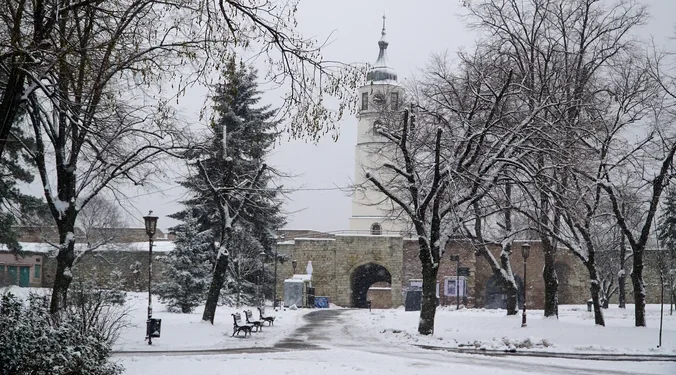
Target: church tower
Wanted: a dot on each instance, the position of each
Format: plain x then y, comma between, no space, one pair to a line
372,211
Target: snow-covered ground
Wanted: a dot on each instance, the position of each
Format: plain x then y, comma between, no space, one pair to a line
574,331
383,342
189,332
341,361
380,342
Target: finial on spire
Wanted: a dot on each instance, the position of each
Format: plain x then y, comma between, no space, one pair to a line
383,32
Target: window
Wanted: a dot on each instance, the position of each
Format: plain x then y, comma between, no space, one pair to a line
36,271
376,124
376,229
364,101
394,98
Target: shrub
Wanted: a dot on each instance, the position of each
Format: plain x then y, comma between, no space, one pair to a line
34,342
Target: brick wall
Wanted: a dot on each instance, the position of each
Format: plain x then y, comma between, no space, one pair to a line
380,297
573,276
413,268
101,268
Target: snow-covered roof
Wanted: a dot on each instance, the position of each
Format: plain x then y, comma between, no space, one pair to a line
42,247
302,277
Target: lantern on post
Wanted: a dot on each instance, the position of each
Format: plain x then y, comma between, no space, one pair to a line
152,325
525,252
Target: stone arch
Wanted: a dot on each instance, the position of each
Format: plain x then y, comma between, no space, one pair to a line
362,277
496,297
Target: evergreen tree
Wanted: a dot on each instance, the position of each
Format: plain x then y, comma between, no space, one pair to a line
17,208
244,268
187,269
227,176
666,226
666,233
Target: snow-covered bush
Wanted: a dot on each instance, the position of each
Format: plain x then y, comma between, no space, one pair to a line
34,342
98,308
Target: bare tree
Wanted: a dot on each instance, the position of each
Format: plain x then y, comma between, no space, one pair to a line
99,221
654,151
28,54
421,171
557,49
104,127
476,131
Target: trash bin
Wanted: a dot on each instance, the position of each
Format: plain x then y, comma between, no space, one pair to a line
590,303
321,302
413,300
310,297
154,327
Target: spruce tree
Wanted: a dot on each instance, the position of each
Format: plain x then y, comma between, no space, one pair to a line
666,226
226,173
17,208
187,269
666,233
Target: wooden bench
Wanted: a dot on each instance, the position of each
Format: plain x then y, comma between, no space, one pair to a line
256,323
238,326
269,319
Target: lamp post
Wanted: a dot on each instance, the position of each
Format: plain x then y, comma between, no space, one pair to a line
274,293
456,258
151,227
525,251
262,286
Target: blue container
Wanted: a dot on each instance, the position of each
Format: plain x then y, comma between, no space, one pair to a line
322,302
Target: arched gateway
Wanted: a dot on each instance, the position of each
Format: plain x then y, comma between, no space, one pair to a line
363,277
345,267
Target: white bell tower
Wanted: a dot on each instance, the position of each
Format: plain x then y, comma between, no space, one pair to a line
372,211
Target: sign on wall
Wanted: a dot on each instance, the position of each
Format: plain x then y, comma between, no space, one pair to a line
415,284
450,287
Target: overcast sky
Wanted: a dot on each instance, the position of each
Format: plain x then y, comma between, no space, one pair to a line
415,30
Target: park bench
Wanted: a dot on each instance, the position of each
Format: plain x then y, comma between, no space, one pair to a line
269,319
238,327
256,323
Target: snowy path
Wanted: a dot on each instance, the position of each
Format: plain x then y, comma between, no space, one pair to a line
330,343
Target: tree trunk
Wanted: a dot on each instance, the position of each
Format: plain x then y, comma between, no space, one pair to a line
639,289
622,284
551,280
64,264
508,287
215,289
512,298
429,300
9,104
595,290
622,279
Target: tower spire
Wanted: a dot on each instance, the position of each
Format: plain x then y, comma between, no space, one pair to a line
382,33
381,71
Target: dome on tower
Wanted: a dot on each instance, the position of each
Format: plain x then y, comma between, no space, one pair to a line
381,72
